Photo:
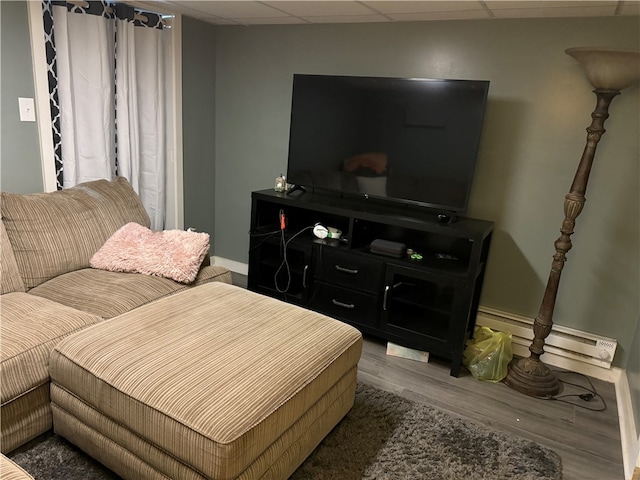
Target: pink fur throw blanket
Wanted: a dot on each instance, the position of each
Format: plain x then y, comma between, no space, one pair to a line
174,254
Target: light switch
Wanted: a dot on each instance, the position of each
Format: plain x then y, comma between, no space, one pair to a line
27,109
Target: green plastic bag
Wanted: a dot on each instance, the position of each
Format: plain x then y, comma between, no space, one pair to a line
487,354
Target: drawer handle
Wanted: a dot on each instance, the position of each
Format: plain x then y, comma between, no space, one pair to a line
386,294
343,305
353,271
304,276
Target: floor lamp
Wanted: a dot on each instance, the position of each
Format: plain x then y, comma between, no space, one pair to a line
609,71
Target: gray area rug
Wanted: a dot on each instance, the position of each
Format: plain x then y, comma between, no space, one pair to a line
383,437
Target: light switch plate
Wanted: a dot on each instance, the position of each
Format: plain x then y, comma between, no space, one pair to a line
27,109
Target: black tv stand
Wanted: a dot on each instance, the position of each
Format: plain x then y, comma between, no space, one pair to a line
426,300
295,188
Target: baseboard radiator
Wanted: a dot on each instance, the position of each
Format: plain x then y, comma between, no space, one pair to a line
564,347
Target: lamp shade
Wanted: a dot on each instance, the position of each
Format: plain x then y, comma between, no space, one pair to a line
608,68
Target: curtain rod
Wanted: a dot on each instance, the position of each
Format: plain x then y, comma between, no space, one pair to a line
85,4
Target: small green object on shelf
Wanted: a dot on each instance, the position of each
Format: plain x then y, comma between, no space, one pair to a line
416,256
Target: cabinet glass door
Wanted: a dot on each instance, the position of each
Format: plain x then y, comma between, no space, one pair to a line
416,304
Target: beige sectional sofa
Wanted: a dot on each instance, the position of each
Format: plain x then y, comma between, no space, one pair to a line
49,290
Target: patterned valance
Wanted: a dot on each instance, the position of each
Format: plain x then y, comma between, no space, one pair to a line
106,9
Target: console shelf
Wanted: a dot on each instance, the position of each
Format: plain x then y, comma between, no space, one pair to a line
428,303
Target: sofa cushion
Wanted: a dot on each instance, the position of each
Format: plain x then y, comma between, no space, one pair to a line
58,232
25,418
10,275
30,327
108,294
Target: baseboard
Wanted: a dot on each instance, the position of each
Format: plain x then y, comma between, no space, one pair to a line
234,266
626,418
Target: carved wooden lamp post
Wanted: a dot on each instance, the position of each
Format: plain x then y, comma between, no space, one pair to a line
609,71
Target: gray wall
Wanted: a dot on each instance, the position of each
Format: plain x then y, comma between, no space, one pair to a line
198,126
539,106
20,166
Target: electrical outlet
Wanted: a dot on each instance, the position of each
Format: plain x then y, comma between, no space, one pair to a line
27,109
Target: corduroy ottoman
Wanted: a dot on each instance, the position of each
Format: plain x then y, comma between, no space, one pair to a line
11,471
212,383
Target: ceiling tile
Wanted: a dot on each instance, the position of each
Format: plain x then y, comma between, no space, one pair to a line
231,9
431,16
174,6
528,4
320,8
570,11
407,7
212,20
272,21
373,18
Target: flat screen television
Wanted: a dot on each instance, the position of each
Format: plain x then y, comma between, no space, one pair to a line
399,139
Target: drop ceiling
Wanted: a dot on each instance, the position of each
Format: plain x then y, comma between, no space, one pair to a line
245,12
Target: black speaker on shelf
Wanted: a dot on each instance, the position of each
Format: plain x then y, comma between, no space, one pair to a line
388,248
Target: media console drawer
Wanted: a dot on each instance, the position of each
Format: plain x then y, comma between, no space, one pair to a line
349,270
347,305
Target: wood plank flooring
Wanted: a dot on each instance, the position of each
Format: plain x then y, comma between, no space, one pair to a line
588,441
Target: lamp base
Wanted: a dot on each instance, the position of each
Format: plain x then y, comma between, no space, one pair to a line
532,377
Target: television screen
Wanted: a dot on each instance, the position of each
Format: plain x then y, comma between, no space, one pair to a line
410,140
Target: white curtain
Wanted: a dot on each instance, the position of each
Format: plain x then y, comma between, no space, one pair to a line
85,92
141,124
111,81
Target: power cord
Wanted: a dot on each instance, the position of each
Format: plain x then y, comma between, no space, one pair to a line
589,394
267,236
284,243
285,263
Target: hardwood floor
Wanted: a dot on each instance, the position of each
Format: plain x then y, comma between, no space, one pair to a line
588,441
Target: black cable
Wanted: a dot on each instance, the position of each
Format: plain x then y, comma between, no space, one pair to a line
285,263
591,393
301,231
264,234
267,236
